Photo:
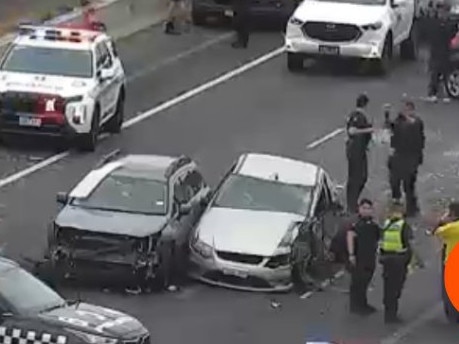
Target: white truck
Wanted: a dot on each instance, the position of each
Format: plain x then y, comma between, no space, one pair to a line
363,29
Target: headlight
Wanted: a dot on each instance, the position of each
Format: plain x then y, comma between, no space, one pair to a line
92,338
374,27
202,248
295,21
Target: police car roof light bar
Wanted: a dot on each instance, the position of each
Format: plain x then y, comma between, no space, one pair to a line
57,34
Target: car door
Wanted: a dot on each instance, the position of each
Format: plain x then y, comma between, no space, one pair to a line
107,87
325,214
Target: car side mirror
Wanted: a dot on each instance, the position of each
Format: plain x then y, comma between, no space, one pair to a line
106,74
62,198
184,209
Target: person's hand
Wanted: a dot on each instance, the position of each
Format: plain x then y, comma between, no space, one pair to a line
352,131
352,260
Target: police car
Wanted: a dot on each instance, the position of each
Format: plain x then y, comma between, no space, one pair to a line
31,312
61,82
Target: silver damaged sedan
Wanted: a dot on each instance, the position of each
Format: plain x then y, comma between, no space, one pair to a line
270,218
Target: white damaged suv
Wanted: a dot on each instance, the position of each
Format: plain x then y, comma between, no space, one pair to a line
61,82
363,29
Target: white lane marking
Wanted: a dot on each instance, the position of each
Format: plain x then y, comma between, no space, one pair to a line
409,328
204,87
174,59
145,115
34,168
325,138
324,284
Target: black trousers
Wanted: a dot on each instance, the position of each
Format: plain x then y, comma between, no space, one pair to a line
361,275
242,28
403,173
395,269
357,176
438,71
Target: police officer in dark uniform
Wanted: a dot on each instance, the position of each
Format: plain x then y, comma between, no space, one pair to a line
407,143
395,256
441,31
241,23
359,131
362,246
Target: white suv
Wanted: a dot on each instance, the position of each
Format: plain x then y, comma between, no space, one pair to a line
61,82
365,29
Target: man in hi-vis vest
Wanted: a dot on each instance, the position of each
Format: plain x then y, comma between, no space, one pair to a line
395,256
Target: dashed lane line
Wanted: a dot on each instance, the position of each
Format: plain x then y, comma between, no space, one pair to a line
152,112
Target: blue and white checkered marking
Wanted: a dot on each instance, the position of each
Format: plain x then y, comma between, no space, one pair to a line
19,336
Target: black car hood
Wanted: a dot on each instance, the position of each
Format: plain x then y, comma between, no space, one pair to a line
97,320
111,222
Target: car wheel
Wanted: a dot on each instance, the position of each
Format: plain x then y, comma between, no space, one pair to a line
294,62
409,47
198,18
382,66
88,142
115,123
452,84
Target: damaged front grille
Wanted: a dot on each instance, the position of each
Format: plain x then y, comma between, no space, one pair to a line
240,258
104,243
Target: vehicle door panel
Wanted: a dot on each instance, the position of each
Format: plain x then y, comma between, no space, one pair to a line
325,214
107,96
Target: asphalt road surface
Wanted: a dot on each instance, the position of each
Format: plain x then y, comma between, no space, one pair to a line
263,108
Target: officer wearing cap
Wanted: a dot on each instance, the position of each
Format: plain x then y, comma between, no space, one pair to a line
407,145
359,131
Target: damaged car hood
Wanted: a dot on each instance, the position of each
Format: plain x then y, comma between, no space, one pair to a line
110,222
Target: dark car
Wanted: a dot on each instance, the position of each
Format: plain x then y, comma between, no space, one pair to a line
262,11
129,216
31,312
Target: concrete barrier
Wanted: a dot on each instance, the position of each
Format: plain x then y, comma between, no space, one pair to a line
122,17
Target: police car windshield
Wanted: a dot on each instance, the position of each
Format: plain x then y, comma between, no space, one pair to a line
127,194
48,61
26,294
242,192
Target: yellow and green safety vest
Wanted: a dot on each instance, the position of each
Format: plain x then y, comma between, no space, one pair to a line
392,239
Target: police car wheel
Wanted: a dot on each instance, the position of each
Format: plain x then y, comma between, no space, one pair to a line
116,122
88,142
452,84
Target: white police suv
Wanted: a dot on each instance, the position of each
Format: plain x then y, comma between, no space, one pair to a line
364,29
62,82
31,312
